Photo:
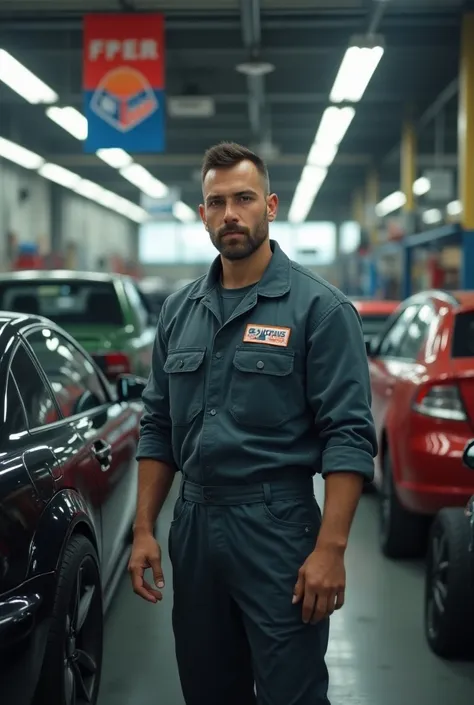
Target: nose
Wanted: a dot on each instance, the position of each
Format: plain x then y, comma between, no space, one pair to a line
230,216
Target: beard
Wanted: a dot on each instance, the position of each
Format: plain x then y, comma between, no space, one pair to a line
236,242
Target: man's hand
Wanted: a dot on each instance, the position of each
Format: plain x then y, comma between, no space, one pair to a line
321,584
146,553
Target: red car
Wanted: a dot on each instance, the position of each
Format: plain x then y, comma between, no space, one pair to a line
374,314
422,376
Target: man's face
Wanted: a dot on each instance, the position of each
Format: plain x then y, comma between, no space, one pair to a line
237,210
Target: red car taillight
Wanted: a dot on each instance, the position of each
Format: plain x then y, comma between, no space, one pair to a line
113,364
440,401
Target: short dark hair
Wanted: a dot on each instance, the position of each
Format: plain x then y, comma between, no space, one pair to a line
226,155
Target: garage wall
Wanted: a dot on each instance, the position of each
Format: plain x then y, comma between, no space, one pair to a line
24,208
26,213
95,232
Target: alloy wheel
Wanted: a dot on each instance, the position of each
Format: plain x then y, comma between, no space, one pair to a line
438,584
82,646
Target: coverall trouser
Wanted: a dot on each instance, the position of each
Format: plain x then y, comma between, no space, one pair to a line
236,552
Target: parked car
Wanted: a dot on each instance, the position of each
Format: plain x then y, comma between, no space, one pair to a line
106,313
374,314
422,377
449,591
67,499
155,291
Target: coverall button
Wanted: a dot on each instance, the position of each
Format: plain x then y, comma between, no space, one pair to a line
260,364
213,412
219,355
181,363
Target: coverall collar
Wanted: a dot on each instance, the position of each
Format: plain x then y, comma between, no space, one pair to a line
275,281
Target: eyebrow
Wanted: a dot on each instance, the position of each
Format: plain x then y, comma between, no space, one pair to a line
246,192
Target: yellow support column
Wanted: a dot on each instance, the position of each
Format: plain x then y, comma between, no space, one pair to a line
408,165
371,200
466,148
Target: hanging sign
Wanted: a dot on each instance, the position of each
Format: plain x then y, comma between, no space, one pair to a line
124,82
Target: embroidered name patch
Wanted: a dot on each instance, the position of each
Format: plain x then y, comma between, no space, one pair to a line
269,335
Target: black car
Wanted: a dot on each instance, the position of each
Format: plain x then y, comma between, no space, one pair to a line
449,592
67,499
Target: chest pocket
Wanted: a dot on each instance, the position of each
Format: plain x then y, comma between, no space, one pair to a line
265,391
185,370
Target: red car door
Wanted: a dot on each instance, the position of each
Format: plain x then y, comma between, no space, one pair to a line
386,366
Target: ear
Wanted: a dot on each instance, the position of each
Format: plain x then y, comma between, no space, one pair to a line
202,213
272,207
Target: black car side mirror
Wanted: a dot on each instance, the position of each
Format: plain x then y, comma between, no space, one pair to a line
130,387
468,455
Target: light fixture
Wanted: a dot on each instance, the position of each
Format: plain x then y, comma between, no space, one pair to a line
322,154
357,68
23,81
334,125
70,120
183,212
255,68
421,186
19,155
432,216
143,180
115,157
390,203
59,175
305,193
454,208
89,189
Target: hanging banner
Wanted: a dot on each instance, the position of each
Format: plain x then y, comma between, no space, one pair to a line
124,82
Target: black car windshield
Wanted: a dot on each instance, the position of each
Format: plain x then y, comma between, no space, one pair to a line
463,337
373,324
66,302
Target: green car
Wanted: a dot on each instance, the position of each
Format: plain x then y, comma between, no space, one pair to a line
106,313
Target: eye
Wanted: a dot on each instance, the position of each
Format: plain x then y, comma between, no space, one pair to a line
246,199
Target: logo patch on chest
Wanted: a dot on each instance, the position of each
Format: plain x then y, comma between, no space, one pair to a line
269,335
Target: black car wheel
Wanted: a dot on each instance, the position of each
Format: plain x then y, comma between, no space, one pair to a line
402,533
73,659
449,587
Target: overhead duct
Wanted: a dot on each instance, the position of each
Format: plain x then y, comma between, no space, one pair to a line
255,70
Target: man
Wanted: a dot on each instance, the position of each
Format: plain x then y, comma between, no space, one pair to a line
259,380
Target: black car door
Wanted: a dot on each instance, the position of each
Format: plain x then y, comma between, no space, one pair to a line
108,428
51,447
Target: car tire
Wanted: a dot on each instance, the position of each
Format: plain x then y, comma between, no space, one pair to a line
449,587
73,659
403,534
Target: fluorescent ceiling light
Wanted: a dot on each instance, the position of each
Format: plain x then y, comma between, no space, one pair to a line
114,157
19,155
391,203
304,196
89,189
183,212
142,179
23,82
432,216
70,120
313,175
322,154
454,208
356,70
421,186
334,125
255,68
59,175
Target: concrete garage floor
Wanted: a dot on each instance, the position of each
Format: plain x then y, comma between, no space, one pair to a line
377,653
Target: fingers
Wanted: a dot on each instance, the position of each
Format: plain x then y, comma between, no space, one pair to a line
340,599
298,590
309,601
325,605
139,562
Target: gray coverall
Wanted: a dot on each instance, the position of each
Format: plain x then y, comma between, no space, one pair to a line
251,393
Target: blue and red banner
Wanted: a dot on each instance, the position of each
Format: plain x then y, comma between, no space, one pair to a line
124,82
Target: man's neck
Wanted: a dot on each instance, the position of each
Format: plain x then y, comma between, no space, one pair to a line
238,274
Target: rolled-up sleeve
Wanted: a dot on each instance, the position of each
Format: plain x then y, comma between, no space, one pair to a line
338,389
155,426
